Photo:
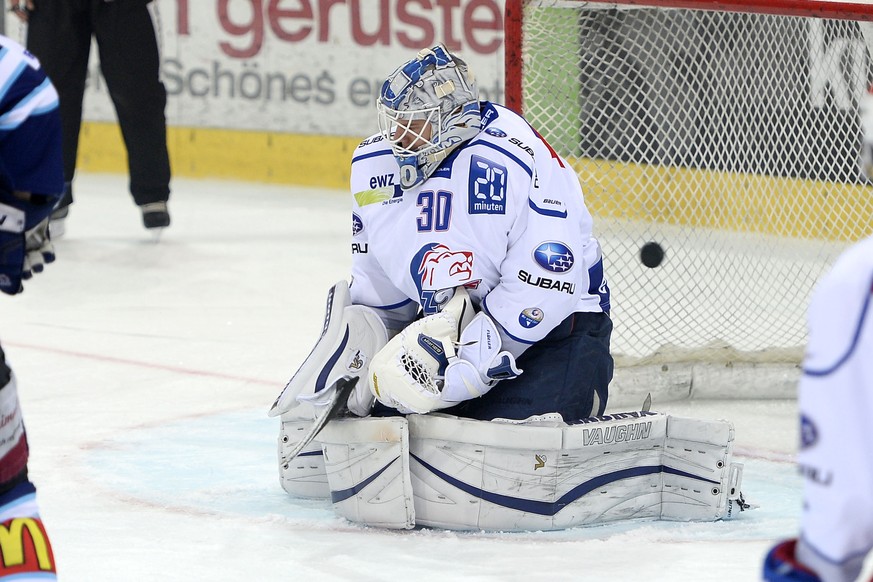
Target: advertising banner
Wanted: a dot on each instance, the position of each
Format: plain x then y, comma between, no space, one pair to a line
303,66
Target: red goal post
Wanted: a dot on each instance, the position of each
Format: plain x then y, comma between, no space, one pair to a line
861,11
728,133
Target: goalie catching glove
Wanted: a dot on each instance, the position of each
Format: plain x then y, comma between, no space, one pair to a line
441,360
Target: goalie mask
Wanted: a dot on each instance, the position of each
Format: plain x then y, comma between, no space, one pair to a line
427,108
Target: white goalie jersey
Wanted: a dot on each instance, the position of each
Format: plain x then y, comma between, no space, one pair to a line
504,216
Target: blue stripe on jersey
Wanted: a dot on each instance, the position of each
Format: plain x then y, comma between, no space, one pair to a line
372,155
53,104
10,125
855,337
21,493
546,211
9,81
30,127
394,306
597,286
511,156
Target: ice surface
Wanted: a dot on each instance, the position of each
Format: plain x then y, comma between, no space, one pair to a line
146,371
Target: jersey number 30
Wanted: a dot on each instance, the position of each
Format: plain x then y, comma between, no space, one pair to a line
436,210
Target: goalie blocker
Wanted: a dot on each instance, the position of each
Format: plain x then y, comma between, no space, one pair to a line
443,471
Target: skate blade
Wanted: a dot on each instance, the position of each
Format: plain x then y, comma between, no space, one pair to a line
155,234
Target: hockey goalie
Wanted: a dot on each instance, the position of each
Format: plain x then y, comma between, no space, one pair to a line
461,379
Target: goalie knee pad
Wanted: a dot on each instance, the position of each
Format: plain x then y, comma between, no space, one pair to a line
352,334
700,481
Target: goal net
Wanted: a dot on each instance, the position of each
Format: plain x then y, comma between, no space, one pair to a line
729,138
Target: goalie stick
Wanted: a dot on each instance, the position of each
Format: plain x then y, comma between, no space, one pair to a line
342,389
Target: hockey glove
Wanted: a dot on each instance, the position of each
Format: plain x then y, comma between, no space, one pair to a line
780,565
421,369
407,374
12,249
480,363
39,249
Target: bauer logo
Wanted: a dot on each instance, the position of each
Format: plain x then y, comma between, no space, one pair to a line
530,317
357,224
435,349
554,256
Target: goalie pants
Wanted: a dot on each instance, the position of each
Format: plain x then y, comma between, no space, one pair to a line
59,34
568,371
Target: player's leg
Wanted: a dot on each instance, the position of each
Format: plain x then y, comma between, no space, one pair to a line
567,372
130,63
59,34
25,553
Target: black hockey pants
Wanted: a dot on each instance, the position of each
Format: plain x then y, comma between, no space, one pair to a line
562,373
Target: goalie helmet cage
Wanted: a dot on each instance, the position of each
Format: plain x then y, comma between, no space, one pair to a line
728,133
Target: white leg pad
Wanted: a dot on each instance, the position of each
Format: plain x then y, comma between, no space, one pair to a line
476,475
367,466
304,475
463,475
700,481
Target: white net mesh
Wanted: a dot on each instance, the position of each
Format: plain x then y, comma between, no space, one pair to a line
730,139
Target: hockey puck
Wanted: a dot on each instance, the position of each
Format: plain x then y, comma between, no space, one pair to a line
651,254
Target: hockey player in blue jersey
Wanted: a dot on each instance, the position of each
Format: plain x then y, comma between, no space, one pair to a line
31,183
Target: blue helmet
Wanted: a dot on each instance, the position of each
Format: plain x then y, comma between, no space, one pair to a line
427,108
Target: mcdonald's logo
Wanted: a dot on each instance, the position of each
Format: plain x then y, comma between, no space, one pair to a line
24,547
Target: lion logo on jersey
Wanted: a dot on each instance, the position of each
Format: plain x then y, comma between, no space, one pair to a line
436,268
442,267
